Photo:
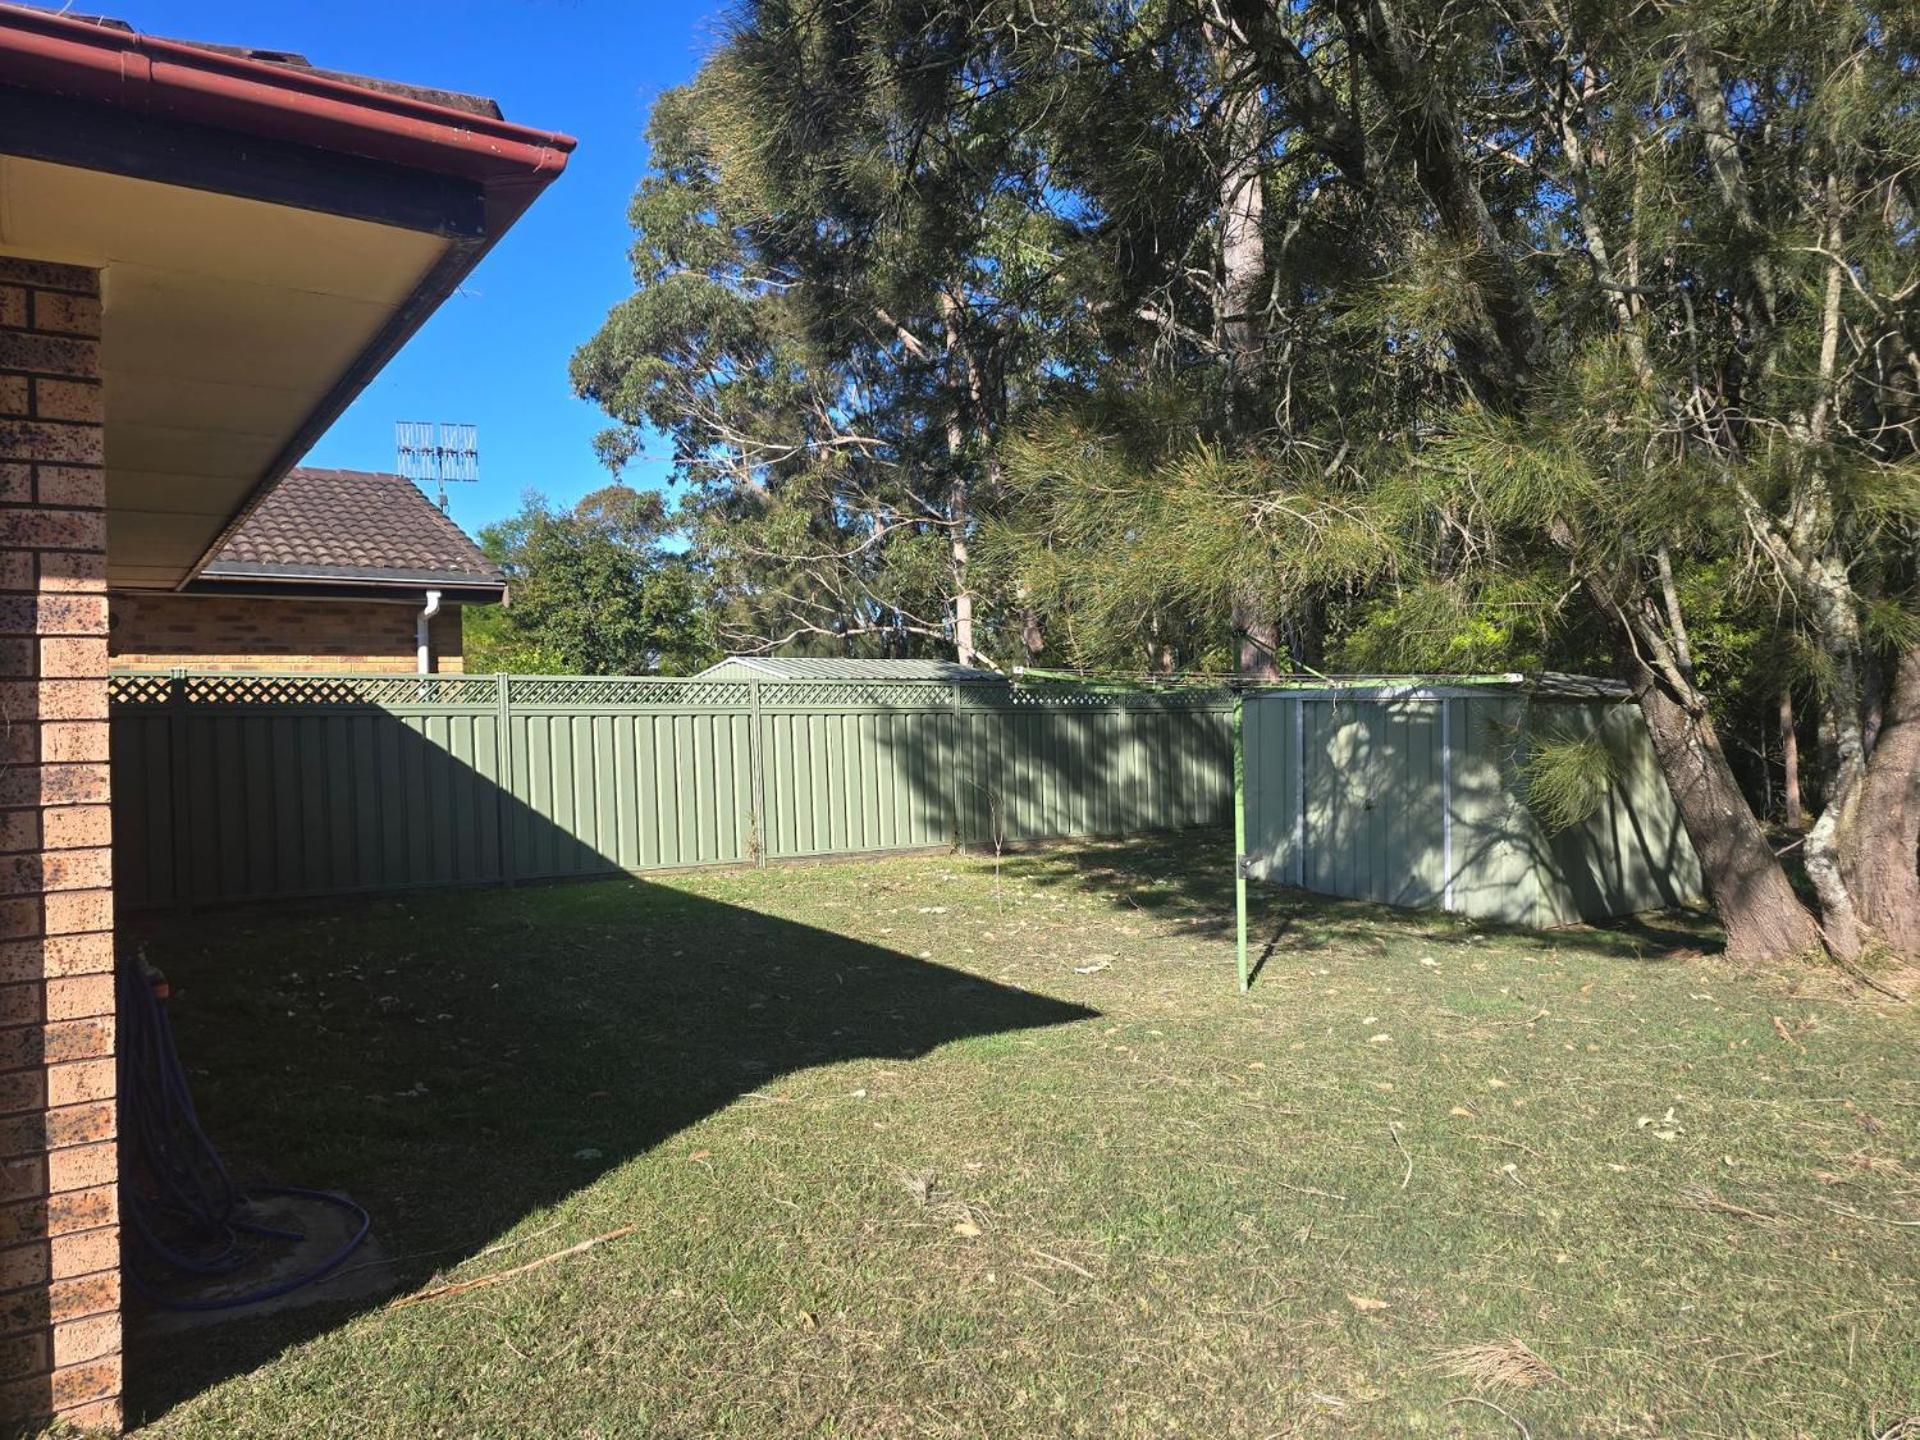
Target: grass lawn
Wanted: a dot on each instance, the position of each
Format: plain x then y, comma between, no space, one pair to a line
912,1149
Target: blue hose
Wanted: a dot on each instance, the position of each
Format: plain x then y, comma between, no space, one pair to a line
184,1212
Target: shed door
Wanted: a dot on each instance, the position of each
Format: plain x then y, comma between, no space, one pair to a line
1374,826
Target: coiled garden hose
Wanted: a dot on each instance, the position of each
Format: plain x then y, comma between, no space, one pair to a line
183,1211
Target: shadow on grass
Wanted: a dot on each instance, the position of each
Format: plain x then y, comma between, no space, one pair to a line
1189,877
455,1062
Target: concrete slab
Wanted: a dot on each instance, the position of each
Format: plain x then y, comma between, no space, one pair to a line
366,1273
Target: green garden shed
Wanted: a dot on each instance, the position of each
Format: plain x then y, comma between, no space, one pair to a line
1414,793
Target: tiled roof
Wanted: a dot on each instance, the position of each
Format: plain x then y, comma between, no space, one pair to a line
348,525
452,99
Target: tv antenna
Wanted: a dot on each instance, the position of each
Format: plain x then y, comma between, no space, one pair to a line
437,451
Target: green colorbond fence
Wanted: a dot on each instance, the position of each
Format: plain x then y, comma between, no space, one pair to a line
242,787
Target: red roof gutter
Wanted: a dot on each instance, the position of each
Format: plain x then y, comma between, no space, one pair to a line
183,82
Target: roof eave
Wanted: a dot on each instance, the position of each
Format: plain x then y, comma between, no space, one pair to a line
169,80
185,82
344,575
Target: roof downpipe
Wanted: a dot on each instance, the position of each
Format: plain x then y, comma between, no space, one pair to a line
422,642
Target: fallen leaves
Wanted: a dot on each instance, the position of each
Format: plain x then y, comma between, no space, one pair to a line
1665,1128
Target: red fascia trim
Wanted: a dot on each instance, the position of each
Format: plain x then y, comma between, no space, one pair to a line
167,78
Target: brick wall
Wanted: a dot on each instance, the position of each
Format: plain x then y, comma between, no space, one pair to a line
219,632
59,1236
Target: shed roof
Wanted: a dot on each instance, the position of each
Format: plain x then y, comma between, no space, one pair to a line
350,526
837,667
1541,684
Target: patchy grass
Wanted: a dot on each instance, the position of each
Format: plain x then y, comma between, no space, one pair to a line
915,1148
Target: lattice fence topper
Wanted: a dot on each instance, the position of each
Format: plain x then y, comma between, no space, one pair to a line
889,694
592,690
140,690
243,689
1112,699
535,692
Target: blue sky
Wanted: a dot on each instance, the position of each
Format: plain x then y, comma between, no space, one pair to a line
497,354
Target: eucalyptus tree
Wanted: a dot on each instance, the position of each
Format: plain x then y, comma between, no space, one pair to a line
845,273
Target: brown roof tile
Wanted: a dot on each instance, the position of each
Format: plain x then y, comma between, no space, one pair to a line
350,525
451,99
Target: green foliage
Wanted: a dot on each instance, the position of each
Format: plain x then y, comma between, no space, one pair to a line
593,591
1568,775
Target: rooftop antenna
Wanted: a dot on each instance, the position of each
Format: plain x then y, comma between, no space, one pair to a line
438,452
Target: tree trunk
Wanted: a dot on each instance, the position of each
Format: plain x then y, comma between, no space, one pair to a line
1243,264
1031,635
1830,604
1258,639
1763,918
1878,849
1790,763
963,378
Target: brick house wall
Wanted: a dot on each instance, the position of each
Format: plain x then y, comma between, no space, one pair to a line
59,1200
223,632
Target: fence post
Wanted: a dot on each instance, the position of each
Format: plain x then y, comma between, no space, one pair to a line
179,818
756,775
960,782
503,775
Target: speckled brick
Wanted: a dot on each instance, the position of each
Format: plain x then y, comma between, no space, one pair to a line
54,785
72,571
75,1167
48,275
55,956
71,656
89,1390
21,917
49,354
20,1004
55,699
24,1354
56,1043
69,827
66,485
74,912
79,997
20,830
84,1253
23,1090
54,529
66,314
83,1080
74,740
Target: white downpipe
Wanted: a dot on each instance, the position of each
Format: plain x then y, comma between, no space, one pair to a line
422,646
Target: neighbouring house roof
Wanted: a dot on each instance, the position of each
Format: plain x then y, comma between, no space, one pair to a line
830,667
269,233
350,527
